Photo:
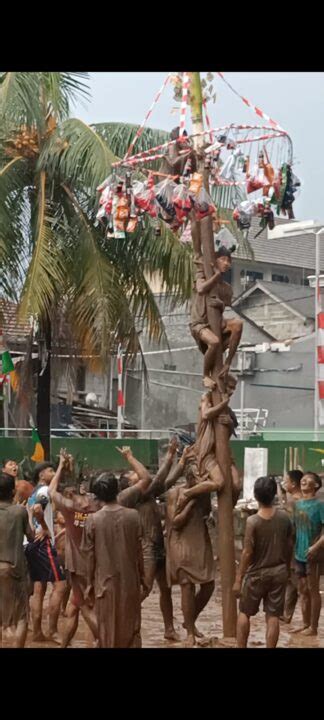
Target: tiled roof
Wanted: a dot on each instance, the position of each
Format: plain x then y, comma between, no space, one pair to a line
13,330
299,297
292,251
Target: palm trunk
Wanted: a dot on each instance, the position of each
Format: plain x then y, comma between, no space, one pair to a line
225,509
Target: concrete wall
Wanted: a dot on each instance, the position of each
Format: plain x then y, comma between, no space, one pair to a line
276,319
284,384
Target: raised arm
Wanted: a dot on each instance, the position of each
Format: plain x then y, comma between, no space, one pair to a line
178,470
204,286
135,464
157,486
52,488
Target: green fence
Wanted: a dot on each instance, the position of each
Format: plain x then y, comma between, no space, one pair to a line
308,457
94,452
102,453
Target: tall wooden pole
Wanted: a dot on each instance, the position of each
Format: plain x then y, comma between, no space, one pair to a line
225,508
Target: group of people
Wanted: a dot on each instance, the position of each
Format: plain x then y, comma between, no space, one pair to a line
104,546
115,547
281,557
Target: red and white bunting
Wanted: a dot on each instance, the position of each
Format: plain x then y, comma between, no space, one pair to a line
184,100
255,109
149,112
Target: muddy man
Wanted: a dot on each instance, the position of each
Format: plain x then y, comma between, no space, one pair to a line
214,293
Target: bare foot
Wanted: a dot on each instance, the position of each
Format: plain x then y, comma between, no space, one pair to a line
209,383
190,641
299,629
197,632
172,636
39,637
309,632
54,638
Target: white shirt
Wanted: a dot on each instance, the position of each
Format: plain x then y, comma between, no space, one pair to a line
42,492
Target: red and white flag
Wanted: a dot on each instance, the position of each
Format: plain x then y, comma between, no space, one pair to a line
120,396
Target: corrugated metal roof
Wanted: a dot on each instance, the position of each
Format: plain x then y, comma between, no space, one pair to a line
291,251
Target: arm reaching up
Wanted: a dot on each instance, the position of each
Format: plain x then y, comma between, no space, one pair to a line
52,488
135,464
157,486
178,470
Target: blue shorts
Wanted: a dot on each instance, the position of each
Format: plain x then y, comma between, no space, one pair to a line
43,562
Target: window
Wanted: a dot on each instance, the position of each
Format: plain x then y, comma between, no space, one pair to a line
280,278
228,276
253,275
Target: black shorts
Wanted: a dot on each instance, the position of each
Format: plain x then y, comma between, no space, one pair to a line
304,569
268,585
43,563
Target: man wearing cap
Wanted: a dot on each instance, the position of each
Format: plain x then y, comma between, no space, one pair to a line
214,293
42,559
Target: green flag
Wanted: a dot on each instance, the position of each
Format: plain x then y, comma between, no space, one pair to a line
7,364
38,455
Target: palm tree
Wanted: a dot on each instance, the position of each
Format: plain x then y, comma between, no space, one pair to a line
54,256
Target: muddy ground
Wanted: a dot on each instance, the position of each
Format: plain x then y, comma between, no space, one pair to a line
210,623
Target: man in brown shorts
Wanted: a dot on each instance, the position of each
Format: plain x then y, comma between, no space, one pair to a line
265,563
75,511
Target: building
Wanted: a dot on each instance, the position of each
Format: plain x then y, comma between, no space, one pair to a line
284,310
276,358
273,297
277,256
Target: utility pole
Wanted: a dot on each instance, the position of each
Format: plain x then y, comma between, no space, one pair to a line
225,508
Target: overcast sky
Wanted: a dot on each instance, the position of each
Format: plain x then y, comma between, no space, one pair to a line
294,100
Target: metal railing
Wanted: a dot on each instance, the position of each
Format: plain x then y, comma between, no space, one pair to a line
111,433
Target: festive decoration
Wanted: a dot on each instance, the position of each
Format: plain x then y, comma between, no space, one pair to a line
6,361
38,454
255,109
250,171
